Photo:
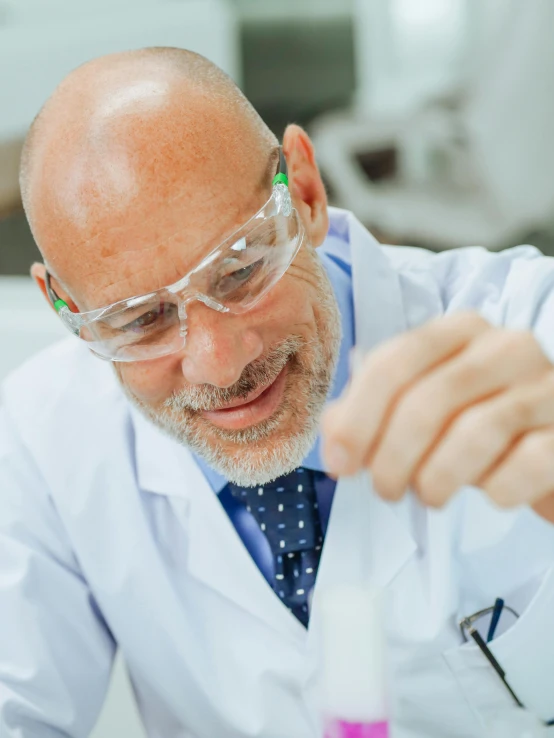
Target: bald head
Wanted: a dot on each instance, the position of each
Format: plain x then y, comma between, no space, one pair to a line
155,140
138,167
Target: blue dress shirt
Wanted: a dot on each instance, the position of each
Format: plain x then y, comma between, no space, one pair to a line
335,257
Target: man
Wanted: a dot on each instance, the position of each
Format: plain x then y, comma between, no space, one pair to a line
174,500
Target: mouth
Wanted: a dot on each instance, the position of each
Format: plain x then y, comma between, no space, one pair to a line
259,406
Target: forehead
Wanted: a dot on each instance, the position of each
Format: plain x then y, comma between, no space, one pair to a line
160,252
157,239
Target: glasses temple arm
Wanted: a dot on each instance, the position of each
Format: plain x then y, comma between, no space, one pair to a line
494,663
282,174
54,298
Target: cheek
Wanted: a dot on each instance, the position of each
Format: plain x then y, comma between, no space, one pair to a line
290,307
151,382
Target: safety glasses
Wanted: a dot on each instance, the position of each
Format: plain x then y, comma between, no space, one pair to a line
232,278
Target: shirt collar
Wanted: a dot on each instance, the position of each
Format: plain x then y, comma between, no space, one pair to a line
335,257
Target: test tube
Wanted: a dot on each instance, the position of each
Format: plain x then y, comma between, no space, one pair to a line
354,670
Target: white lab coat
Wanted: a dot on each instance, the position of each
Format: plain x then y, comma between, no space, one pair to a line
109,534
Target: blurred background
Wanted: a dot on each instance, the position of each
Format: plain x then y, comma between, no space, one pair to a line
432,119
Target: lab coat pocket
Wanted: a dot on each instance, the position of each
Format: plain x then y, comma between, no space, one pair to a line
526,653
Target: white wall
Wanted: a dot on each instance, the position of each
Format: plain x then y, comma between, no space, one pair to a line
27,325
407,51
41,41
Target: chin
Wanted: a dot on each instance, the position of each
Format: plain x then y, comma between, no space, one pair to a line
261,453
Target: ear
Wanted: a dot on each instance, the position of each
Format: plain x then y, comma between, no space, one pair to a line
305,184
38,273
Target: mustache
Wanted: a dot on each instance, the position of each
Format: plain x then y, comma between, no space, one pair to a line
258,373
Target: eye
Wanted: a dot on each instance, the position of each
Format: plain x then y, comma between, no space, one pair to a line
241,275
149,319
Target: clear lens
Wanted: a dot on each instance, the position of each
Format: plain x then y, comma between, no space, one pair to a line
247,270
234,279
147,329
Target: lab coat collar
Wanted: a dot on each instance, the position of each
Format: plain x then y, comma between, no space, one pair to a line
164,467
378,304
161,462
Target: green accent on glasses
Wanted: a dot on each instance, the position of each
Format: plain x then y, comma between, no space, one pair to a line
59,304
281,177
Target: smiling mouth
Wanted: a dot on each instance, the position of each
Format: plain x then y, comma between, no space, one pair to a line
260,405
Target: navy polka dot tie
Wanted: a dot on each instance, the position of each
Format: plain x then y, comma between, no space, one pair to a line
287,512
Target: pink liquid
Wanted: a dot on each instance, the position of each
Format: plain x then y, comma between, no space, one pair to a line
342,729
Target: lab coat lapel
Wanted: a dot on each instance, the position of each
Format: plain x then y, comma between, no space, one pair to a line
367,541
378,305
227,566
216,555
387,543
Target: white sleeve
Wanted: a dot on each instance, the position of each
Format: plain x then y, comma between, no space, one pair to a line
513,288
55,650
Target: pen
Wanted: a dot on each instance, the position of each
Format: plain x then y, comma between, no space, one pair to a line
496,613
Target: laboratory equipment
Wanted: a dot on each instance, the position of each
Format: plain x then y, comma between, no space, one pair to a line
354,673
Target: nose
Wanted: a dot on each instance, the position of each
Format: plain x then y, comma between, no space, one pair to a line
218,347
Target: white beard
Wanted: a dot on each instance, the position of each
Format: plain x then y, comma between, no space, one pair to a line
263,452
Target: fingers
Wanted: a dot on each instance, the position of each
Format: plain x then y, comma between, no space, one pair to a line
456,402
351,426
480,443
526,474
493,362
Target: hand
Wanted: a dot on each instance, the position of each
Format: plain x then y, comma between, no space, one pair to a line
455,402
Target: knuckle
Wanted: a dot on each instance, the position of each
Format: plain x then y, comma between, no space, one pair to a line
386,360
510,343
520,412
337,432
331,420
536,450
347,440
434,483
468,320
415,411
472,318
333,430
470,431
375,368
466,373
526,341
520,341
501,496
434,333
382,483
